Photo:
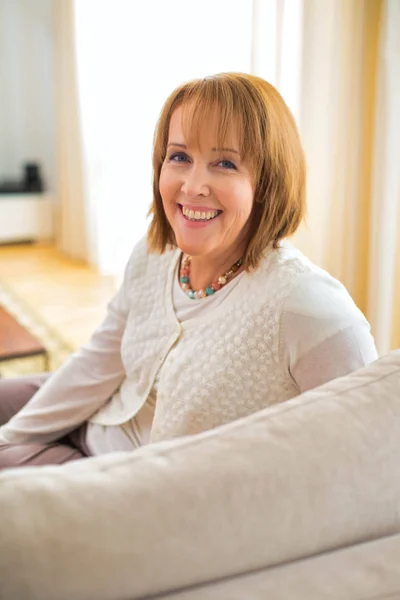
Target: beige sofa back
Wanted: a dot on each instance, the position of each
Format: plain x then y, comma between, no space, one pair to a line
306,477
367,571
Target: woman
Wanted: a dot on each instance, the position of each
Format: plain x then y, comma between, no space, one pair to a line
218,315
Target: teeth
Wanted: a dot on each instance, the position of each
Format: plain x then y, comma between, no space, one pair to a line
199,215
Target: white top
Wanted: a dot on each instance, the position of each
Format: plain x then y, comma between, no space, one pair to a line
101,439
313,359
264,338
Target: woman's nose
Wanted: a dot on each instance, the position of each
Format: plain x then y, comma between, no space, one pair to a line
195,183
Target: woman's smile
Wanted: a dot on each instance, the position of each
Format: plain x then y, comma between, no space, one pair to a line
198,216
207,191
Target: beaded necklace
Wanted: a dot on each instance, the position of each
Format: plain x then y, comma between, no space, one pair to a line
184,279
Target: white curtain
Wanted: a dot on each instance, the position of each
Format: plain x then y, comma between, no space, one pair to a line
384,273
349,120
131,55
118,61
72,217
337,104
277,40
351,130
336,64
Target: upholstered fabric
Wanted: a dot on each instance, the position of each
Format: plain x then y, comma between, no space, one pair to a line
313,475
367,571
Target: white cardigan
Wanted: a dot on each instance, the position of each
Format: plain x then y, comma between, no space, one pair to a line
213,369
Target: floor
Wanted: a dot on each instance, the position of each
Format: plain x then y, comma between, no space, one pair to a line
70,296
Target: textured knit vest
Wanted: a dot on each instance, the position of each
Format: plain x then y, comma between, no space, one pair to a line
213,369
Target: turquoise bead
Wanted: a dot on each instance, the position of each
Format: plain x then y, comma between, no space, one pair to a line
184,279
191,294
210,291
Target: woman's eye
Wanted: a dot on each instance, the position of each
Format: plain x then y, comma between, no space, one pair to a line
178,157
227,164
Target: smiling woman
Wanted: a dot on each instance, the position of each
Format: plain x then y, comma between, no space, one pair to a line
233,139
218,315
207,198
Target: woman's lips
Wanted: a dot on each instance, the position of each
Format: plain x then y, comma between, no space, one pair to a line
198,224
198,208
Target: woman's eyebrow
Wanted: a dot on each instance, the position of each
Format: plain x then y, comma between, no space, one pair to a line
225,150
213,149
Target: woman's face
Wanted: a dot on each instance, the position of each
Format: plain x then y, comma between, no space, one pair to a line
207,192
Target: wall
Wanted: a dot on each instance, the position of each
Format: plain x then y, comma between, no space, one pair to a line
26,87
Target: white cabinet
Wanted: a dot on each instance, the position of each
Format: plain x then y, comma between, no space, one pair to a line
25,217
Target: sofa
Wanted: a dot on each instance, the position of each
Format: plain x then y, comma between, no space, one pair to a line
300,500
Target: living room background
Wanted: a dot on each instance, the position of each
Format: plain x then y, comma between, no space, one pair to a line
86,81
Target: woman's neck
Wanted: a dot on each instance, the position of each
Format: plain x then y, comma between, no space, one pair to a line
206,270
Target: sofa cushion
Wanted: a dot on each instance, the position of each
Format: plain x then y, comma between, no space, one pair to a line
367,571
305,477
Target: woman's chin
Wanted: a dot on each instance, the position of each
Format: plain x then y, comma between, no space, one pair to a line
192,247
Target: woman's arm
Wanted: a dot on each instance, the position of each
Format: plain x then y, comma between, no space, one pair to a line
323,332
79,388
346,351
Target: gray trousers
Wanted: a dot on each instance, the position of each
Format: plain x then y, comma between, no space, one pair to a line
14,394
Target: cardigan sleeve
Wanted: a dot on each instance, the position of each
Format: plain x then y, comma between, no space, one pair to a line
80,387
324,334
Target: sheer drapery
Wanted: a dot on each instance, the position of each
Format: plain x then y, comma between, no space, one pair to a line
130,57
71,209
384,264
336,64
350,127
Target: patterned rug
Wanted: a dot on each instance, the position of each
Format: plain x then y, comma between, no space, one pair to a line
58,350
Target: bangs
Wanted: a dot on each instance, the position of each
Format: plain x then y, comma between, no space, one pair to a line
205,99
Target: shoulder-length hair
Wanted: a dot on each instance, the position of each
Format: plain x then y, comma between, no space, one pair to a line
269,142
